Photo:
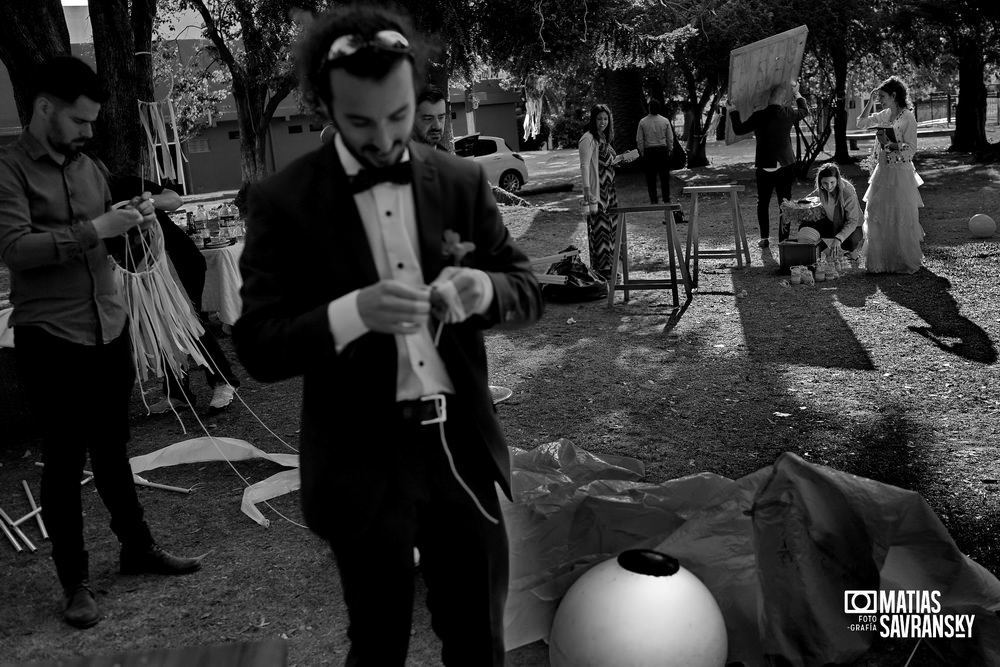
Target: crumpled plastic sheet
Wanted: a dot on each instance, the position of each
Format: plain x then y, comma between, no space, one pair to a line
777,548
200,450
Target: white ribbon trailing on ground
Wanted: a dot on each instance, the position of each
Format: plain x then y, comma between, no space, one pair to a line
208,449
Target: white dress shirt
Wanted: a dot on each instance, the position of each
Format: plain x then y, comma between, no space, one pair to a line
388,214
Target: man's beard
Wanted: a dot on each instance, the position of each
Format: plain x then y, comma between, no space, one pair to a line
69,149
362,155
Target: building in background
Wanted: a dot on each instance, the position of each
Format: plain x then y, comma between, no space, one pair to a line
486,109
213,157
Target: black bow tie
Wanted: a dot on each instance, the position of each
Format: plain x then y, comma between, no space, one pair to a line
368,178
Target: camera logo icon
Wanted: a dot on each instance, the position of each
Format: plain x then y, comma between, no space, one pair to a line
860,602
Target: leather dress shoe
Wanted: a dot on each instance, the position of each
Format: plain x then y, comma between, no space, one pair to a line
81,608
154,560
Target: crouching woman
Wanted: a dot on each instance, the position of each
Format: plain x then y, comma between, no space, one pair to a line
840,225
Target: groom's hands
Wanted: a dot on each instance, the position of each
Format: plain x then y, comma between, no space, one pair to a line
393,307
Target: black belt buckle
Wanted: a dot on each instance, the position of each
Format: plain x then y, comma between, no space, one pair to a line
440,409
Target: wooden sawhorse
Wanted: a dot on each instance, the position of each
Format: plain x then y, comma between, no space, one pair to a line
674,252
741,250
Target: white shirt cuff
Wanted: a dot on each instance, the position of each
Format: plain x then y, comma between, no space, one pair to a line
345,320
486,286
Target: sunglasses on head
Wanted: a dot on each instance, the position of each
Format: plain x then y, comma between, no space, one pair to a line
384,40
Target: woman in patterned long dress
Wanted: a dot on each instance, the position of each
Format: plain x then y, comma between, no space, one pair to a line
892,219
597,167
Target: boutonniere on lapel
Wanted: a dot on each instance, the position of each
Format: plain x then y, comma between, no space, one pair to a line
446,305
454,248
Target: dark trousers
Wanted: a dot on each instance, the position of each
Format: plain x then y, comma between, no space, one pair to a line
463,558
779,181
79,395
826,230
190,266
656,163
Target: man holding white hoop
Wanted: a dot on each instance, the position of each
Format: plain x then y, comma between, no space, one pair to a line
347,252
71,339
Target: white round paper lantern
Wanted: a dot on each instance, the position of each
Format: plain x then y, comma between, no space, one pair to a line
639,609
982,226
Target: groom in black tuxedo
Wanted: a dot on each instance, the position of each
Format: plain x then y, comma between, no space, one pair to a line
400,443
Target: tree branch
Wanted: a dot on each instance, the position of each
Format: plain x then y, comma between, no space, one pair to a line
212,28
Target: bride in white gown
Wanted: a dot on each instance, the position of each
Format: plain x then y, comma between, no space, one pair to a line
892,222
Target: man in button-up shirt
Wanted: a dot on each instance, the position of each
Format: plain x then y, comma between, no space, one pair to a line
400,443
655,139
71,341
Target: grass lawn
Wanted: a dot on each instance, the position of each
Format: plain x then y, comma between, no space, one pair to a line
888,377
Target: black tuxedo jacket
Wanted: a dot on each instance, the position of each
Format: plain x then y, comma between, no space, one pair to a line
305,247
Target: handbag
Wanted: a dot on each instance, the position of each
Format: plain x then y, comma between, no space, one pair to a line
678,158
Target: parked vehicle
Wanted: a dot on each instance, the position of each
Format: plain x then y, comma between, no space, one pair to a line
504,167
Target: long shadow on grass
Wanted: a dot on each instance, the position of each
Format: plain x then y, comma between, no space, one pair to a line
927,295
612,381
796,324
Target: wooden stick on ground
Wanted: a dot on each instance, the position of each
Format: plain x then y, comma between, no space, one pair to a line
136,479
10,536
36,509
33,513
20,533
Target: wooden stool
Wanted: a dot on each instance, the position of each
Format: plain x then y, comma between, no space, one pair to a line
741,249
674,252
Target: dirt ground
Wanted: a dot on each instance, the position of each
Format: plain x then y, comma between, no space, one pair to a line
888,377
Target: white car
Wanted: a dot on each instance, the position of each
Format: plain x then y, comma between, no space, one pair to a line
503,166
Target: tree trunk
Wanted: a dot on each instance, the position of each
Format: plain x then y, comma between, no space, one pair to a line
697,136
143,15
841,153
623,94
120,140
250,100
31,32
970,117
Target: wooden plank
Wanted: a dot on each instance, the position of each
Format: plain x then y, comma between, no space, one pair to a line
548,259
755,68
267,653
550,279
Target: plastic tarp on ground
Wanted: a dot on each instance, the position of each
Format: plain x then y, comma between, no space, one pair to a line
777,548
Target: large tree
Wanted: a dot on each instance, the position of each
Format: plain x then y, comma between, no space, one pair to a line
122,47
252,40
840,33
35,30
31,32
714,27
967,29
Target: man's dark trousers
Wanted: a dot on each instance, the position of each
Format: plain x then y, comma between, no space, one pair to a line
463,556
656,163
79,395
779,181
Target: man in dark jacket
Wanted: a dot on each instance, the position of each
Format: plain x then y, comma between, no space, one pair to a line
372,266
773,157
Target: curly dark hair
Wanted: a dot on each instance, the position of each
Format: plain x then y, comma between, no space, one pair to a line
897,89
364,21
609,134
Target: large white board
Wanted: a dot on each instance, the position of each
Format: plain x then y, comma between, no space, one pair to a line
755,68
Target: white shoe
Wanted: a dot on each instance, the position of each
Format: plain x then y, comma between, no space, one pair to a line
222,396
